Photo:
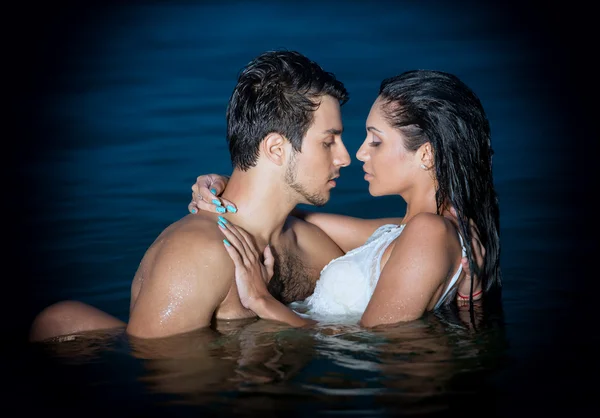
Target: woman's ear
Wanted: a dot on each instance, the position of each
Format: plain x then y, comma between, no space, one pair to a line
425,153
274,147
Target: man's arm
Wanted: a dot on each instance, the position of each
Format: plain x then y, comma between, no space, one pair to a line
189,278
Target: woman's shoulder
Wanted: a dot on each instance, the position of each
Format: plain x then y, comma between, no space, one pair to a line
428,229
427,246
429,222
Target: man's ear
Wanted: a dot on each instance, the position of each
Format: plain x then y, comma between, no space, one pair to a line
425,154
275,148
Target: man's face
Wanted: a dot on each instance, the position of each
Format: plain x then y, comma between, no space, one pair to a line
311,172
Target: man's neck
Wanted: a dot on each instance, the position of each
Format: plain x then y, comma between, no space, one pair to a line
263,202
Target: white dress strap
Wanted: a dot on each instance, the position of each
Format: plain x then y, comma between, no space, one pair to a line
455,277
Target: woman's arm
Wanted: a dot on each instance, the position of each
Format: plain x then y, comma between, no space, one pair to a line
418,264
346,231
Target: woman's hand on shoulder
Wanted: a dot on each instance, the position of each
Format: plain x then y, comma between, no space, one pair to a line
206,195
253,268
253,274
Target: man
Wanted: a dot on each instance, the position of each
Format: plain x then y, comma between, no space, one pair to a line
284,132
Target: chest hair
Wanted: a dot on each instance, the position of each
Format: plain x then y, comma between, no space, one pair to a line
292,279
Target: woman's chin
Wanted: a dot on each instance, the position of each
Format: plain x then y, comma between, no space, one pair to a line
373,191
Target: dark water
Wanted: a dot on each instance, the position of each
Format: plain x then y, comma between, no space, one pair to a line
119,108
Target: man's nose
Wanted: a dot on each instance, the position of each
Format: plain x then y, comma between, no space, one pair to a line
342,159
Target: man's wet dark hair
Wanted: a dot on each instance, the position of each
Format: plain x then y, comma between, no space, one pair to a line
277,92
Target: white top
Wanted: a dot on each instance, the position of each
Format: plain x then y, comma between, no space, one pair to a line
347,283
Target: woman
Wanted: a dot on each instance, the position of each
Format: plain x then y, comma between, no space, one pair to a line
428,140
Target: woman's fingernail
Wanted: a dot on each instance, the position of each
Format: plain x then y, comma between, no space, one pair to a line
194,211
226,243
216,202
220,209
222,219
213,191
221,224
231,209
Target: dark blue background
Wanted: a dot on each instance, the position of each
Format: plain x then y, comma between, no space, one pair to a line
114,110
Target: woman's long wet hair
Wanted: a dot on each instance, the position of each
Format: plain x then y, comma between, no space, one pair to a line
437,107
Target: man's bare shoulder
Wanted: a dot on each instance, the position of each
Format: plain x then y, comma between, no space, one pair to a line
311,238
195,232
193,243
182,279
306,229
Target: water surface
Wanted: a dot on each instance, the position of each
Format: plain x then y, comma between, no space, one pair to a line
125,105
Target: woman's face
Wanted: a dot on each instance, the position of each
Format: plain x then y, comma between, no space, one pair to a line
389,167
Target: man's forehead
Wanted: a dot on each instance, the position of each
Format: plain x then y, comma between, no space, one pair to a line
328,117
326,128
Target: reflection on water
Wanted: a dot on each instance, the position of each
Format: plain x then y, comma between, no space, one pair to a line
424,366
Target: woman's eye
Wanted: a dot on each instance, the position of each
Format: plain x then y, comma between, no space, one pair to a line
375,142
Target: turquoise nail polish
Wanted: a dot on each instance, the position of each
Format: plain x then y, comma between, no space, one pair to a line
222,219
231,209
216,202
220,209
226,243
213,191
221,224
